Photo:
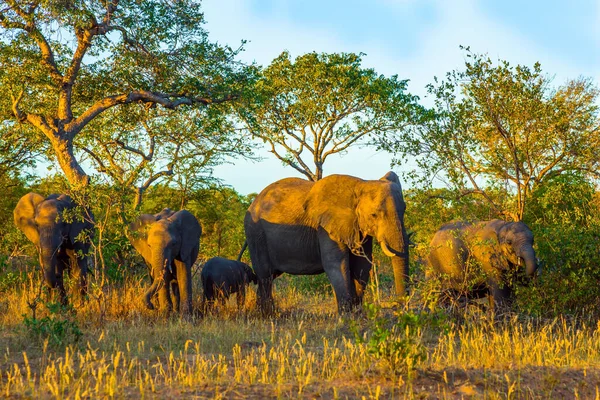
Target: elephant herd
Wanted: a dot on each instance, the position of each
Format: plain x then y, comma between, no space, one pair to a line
293,226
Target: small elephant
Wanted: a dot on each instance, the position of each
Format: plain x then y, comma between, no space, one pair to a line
169,242
222,277
305,228
497,246
57,236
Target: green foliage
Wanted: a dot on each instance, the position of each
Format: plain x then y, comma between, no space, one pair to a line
65,64
306,284
59,327
397,342
505,126
221,213
564,215
11,239
321,104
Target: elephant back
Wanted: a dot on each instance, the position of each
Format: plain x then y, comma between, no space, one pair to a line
281,202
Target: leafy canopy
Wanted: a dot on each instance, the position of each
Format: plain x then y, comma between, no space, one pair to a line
64,63
321,104
505,126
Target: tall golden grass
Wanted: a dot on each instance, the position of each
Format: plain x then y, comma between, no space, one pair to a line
306,350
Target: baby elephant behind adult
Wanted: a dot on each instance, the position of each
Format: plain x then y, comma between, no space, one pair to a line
222,277
497,246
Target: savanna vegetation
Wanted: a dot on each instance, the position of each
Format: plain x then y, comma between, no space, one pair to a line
130,105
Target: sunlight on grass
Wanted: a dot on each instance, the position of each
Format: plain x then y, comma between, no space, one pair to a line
306,349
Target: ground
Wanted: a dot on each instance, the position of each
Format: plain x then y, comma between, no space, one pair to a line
112,346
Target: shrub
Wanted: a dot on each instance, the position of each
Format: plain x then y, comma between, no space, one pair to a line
59,327
396,342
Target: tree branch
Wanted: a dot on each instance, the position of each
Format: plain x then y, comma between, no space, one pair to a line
167,100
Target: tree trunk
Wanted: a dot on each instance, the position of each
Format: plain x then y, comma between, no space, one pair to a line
63,148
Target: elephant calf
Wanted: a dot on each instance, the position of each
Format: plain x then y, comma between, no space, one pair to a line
222,277
496,246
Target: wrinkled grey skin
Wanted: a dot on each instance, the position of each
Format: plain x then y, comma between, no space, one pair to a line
498,246
41,220
169,243
305,228
222,277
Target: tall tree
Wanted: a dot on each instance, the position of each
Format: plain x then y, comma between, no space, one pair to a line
321,104
504,125
138,147
65,63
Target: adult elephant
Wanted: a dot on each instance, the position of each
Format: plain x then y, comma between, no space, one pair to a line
497,246
54,226
304,228
169,243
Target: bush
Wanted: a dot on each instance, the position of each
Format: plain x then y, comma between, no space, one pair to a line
59,327
396,342
564,216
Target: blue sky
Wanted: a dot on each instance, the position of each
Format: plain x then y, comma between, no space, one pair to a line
416,39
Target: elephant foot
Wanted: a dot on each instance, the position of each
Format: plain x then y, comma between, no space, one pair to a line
267,309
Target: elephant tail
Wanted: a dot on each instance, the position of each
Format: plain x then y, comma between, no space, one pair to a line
239,257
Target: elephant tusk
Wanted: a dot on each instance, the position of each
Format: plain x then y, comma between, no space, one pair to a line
386,249
391,253
168,266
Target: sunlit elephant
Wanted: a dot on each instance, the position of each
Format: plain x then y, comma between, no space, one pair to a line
222,277
305,228
496,246
54,225
169,243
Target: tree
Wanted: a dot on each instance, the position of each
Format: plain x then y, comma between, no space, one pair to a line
18,149
321,104
139,147
65,63
505,126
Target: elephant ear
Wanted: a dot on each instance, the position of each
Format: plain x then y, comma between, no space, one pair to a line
331,204
165,213
24,216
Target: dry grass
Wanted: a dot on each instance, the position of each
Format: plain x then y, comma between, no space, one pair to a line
305,351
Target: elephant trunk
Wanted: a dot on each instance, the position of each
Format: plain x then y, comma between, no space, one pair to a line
396,247
49,248
400,265
161,262
48,262
528,255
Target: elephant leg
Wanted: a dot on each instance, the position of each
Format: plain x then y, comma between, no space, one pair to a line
164,296
79,267
336,263
265,273
223,294
501,294
60,285
156,285
62,263
176,296
241,297
265,295
184,281
360,268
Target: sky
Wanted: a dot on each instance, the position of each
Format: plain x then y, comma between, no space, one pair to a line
415,39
